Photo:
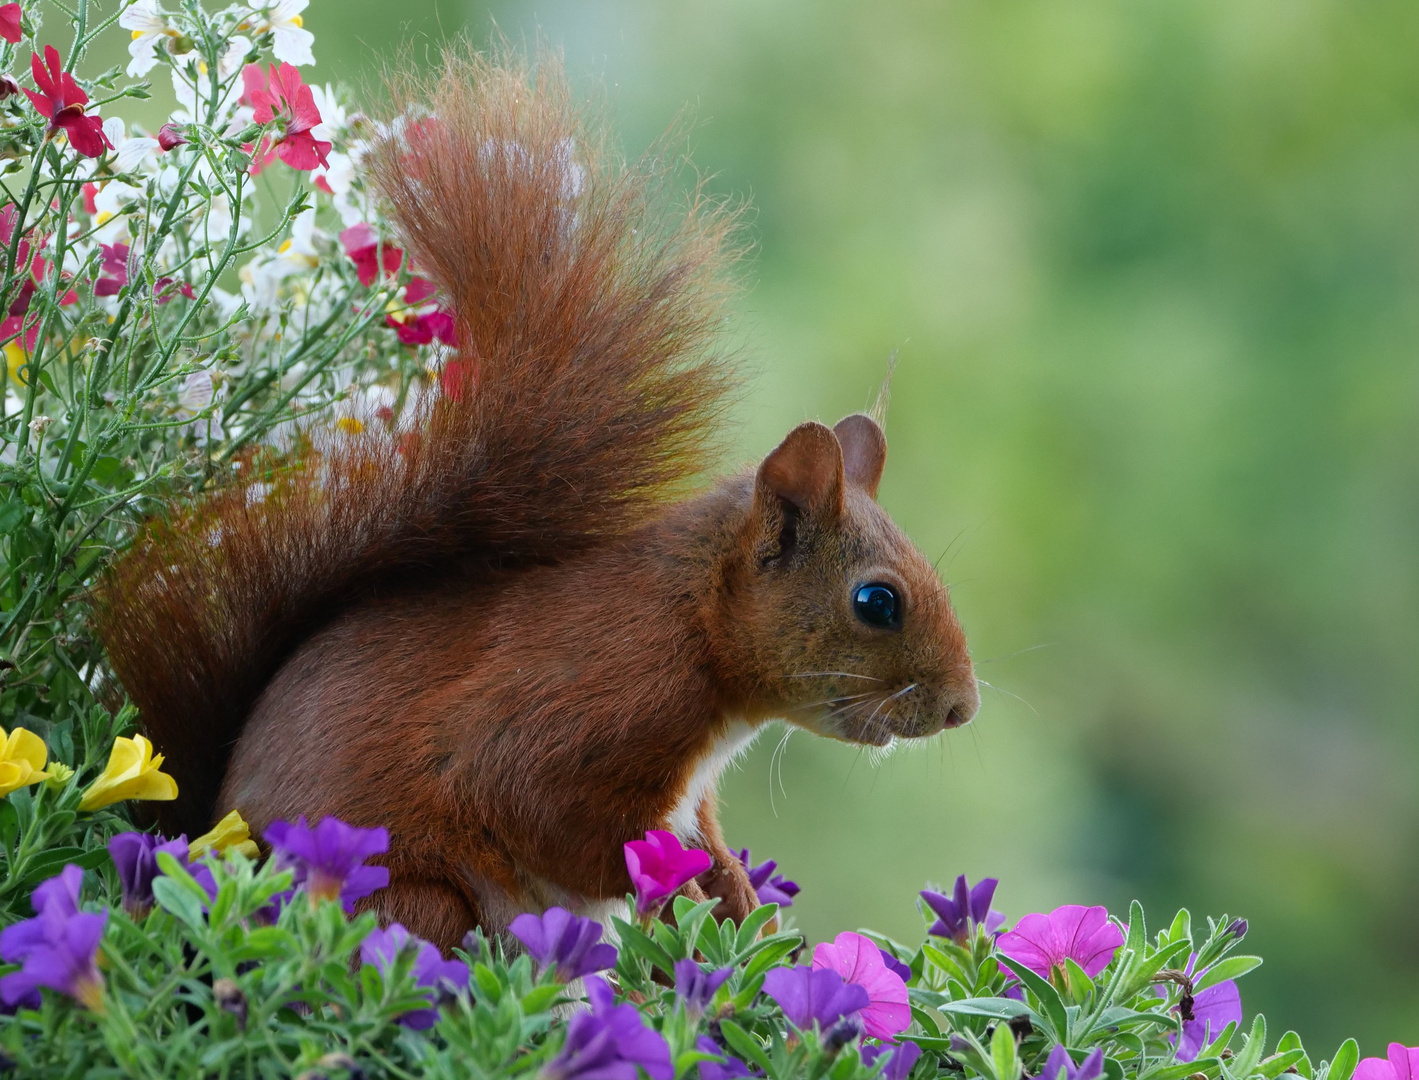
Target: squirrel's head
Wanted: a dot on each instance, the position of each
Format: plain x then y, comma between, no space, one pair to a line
847,629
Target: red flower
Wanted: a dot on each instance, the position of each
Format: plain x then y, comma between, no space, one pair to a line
163,290
10,23
284,97
17,317
115,266
62,101
170,135
421,322
361,243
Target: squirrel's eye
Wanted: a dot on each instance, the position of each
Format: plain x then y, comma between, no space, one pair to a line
878,605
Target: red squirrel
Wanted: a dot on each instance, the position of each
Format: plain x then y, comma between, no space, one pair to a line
504,632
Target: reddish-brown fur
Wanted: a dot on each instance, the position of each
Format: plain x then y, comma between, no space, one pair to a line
498,640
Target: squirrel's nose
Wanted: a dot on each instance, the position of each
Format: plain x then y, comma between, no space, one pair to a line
965,708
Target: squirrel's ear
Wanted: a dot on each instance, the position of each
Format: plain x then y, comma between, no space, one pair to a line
806,469
864,450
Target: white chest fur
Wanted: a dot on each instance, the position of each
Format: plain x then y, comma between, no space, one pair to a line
684,816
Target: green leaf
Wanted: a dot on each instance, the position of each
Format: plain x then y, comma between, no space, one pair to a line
1292,1041
745,1045
12,513
1234,967
1002,1053
540,998
1277,1064
490,987
996,1008
1080,985
1342,1066
1047,995
1181,930
774,950
173,897
755,921
48,863
1137,929
636,941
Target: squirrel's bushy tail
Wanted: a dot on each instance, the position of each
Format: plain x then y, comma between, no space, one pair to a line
589,388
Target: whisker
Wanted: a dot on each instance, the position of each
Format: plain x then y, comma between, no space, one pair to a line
831,700
1018,652
843,674
1002,690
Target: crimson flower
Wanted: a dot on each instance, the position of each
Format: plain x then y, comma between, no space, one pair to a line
1072,932
362,244
114,270
859,961
164,290
1401,1063
659,865
284,97
57,948
422,319
62,101
170,136
17,318
10,23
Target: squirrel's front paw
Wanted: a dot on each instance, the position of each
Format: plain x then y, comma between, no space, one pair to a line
729,883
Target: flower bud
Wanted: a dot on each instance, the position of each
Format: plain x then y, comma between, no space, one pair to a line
59,775
8,86
170,136
1237,928
841,1033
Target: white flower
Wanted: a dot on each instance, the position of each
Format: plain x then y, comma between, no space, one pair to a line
197,391
149,28
292,41
336,176
111,204
299,253
131,155
192,85
261,284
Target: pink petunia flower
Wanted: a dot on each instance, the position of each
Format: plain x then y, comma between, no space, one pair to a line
1072,932
114,270
1401,1063
62,101
284,97
10,23
659,865
859,961
361,244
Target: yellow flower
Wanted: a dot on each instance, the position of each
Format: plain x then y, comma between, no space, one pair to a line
22,757
15,359
132,773
229,834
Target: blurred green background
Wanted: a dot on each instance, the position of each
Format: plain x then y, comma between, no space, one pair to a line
1152,272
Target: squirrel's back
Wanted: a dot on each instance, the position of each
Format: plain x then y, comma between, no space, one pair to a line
586,317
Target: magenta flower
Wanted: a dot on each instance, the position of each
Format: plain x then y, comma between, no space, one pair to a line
113,270
442,978
808,996
422,319
1401,1063
61,100
58,948
610,1042
559,939
770,888
135,855
859,961
958,914
284,97
10,23
659,865
695,987
899,1065
371,259
731,1068
1059,1062
1072,932
328,860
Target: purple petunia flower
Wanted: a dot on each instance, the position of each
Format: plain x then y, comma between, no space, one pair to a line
58,948
1212,1010
901,970
1401,1063
770,888
966,908
695,986
899,1065
730,1069
1072,932
135,854
609,1042
807,996
328,860
659,865
1059,1062
443,978
559,938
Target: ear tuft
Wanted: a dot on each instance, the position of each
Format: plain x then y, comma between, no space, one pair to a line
806,469
864,450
